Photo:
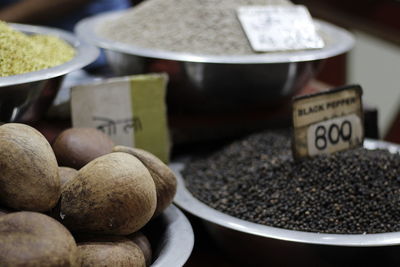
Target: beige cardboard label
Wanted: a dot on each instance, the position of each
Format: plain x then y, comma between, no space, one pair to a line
131,110
327,122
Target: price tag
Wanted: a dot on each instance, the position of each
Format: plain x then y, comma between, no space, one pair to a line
279,28
327,122
131,110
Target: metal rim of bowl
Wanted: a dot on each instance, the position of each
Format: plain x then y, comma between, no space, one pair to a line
179,239
85,54
185,200
342,41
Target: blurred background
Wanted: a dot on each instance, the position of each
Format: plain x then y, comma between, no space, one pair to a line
374,62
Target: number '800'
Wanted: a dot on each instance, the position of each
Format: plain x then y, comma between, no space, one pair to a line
332,134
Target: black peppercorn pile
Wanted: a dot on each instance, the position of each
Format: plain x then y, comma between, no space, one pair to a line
255,179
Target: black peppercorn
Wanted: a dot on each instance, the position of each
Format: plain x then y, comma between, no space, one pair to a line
255,179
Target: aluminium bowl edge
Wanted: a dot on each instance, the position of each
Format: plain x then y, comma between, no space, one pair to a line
185,200
178,240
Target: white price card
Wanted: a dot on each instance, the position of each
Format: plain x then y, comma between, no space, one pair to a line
327,122
279,28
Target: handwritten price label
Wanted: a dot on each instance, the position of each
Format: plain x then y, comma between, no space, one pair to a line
334,135
327,122
279,28
131,110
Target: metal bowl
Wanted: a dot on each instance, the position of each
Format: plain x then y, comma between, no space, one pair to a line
171,237
262,245
204,83
25,97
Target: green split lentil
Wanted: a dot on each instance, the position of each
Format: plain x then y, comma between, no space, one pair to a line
21,53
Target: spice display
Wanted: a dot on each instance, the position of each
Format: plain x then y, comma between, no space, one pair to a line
194,26
21,53
255,179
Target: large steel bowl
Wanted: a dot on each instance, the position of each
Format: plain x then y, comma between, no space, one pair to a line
171,237
26,97
257,244
209,84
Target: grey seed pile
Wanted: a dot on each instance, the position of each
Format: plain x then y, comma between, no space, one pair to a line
208,27
255,179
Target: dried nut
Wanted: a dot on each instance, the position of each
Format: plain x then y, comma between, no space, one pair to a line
141,240
29,172
66,174
75,147
163,176
110,251
113,194
34,239
4,211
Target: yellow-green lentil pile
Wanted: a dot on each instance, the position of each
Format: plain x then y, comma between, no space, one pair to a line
21,53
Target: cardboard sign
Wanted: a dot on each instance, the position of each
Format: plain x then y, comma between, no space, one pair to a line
279,28
327,122
131,110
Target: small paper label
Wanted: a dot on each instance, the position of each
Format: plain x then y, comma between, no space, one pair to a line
279,28
131,110
334,135
327,122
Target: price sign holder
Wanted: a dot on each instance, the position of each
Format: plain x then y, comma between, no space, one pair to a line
327,122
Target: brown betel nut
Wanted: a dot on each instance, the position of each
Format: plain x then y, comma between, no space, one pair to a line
110,251
113,194
29,170
75,147
163,176
34,239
